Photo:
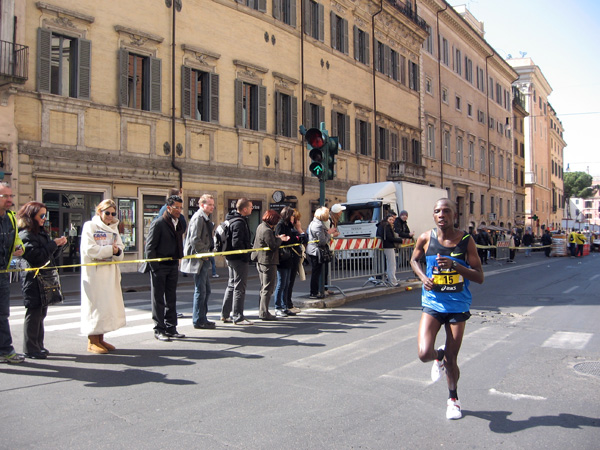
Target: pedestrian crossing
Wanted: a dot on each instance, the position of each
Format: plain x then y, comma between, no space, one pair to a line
363,338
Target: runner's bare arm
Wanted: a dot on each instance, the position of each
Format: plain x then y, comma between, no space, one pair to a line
418,253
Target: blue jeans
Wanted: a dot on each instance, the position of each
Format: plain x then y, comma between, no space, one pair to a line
283,282
201,294
6,347
213,265
528,250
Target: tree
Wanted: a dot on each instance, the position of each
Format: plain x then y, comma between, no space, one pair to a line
578,185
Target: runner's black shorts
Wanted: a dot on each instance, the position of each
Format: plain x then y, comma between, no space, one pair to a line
445,318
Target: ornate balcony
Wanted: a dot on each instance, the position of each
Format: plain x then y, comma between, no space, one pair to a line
408,12
405,171
13,63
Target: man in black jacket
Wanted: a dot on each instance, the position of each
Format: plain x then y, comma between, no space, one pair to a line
165,240
241,239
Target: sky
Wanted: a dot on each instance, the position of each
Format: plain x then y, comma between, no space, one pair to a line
562,39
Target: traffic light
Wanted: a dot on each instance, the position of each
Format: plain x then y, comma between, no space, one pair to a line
332,150
317,152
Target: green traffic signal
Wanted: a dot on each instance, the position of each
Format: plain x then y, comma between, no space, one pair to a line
316,143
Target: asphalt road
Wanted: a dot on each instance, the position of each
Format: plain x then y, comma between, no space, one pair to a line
343,378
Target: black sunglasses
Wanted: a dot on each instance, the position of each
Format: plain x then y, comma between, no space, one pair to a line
108,213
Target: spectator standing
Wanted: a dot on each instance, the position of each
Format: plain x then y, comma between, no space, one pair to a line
547,243
179,193
267,260
401,226
165,240
572,243
297,260
385,232
515,242
39,250
10,245
318,236
199,239
527,242
580,240
286,227
237,264
484,241
102,307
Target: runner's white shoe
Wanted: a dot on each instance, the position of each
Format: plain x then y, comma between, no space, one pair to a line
453,411
438,368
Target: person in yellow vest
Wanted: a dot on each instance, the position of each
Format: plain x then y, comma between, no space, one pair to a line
580,240
572,244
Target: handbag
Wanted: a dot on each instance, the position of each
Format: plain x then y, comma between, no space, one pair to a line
325,254
285,254
49,284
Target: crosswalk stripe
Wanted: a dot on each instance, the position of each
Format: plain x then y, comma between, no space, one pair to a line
568,340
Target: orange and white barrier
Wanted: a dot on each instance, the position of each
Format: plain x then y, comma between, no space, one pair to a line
355,244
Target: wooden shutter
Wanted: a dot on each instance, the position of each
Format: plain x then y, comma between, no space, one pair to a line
213,81
292,12
333,23
321,19
367,45
321,116
123,77
278,114
369,137
344,47
357,135
277,9
356,43
186,93
262,5
84,62
155,84
262,108
333,129
239,105
307,18
346,145
294,117
44,50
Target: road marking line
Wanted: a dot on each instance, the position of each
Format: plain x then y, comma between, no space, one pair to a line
594,277
568,291
516,396
568,340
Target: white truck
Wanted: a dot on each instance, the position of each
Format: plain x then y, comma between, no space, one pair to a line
367,205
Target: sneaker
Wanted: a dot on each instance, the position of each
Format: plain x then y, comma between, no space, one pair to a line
226,320
216,275
453,410
13,358
438,368
244,322
281,313
290,313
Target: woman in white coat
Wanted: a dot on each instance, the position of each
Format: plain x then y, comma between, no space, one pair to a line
102,308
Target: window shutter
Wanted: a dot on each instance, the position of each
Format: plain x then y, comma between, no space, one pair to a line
321,10
395,64
186,93
356,42
43,60
239,107
334,129
321,115
262,108
346,132
345,37
292,12
123,77
368,138
357,135
262,5
277,9
387,144
155,84
367,44
84,59
294,116
214,97
307,115
307,18
333,23
278,114
387,61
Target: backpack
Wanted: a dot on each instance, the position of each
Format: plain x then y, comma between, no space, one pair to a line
223,235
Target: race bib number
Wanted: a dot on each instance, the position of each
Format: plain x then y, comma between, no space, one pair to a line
447,281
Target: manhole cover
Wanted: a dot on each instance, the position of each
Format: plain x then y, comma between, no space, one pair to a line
588,368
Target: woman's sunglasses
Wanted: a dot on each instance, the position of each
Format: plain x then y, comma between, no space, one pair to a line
43,216
108,213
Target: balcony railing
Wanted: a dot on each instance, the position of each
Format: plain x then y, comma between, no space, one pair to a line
408,12
13,62
405,171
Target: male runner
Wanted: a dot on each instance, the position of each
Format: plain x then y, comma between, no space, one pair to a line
452,262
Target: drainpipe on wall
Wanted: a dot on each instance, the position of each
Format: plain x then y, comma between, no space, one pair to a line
487,114
302,94
439,39
376,149
178,169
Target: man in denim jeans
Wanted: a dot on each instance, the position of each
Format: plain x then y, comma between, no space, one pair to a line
10,245
199,239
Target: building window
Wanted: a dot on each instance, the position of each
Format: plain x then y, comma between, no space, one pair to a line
395,147
428,86
499,94
508,171
314,115
259,5
402,69
500,166
428,43
480,116
431,141
468,69
459,151
482,203
480,79
471,155
482,162
413,76
341,128
363,137
416,151
314,20
471,203
445,95
458,61
458,103
447,149
361,46
339,33
469,110
286,115
383,142
139,81
200,95
285,11
382,57
492,164
64,65
445,52
250,106
394,71
492,205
